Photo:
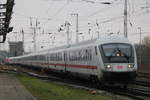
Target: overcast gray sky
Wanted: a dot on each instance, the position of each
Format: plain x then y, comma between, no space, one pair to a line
51,14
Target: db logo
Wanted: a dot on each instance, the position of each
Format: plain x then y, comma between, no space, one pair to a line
119,67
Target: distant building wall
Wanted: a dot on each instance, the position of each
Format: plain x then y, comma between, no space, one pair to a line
15,49
3,54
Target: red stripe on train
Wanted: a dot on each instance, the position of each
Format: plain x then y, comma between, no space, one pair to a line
82,66
71,65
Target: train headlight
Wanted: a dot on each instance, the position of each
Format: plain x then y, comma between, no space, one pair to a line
108,66
131,66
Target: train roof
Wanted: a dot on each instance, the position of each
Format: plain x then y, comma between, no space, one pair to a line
98,41
103,40
113,39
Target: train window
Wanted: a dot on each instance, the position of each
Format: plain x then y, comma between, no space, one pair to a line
95,50
80,55
114,49
90,54
35,57
39,57
55,57
42,57
86,54
117,52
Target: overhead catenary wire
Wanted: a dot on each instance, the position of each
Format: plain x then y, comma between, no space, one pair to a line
54,14
57,12
50,6
97,2
60,10
102,10
139,33
106,21
132,3
135,14
33,17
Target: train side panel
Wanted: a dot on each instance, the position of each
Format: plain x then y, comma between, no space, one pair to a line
55,60
81,60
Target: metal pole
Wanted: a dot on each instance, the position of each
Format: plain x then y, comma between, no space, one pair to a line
98,29
22,36
125,20
77,29
140,51
147,7
34,38
77,26
23,40
34,33
67,24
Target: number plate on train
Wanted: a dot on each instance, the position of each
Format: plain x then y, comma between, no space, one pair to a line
119,67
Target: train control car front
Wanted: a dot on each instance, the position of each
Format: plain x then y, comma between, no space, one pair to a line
119,61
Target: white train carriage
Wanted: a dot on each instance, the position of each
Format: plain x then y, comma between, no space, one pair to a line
56,59
110,59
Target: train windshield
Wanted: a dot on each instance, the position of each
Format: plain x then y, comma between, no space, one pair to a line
117,52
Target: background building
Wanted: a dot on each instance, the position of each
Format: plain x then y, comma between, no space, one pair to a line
15,49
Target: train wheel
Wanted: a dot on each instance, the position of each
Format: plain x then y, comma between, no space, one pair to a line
95,82
43,71
124,86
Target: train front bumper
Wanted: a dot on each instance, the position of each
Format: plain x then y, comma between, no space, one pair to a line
119,77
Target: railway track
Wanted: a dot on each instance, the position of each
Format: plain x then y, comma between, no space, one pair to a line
134,92
142,83
143,75
141,88
143,79
141,93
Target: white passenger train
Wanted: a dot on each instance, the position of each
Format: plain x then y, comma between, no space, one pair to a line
107,60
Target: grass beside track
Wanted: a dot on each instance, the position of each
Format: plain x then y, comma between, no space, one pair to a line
44,90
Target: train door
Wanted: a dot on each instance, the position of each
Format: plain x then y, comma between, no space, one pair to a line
49,60
46,60
98,61
65,60
97,57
